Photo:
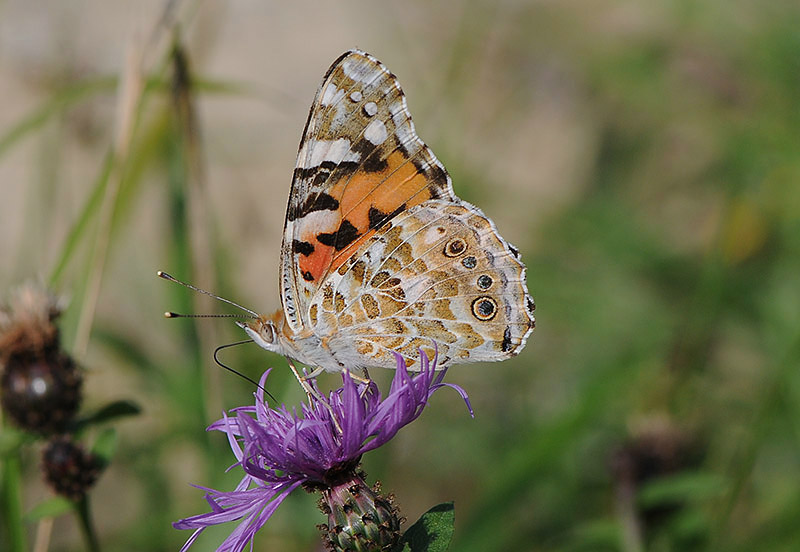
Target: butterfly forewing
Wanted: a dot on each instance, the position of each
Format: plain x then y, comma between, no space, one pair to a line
360,164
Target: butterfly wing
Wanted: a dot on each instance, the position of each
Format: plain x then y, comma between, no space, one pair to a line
360,164
439,271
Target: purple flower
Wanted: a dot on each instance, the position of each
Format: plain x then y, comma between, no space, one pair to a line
280,450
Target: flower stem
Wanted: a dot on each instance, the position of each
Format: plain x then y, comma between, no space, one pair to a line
87,528
11,502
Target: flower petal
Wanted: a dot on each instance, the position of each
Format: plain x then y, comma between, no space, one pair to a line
279,449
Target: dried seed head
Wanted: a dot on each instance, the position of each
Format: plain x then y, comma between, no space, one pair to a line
41,393
27,322
40,385
68,468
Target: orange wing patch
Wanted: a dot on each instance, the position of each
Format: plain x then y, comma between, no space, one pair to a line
367,200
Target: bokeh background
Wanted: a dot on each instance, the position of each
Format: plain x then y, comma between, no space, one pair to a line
644,156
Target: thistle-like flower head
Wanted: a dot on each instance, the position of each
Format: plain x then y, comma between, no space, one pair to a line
319,448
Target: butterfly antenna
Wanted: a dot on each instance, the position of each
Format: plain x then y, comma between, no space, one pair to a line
170,314
164,275
233,371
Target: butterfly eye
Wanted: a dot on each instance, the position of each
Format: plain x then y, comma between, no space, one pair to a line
484,308
455,247
267,332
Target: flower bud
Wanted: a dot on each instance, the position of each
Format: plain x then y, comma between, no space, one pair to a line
69,469
359,518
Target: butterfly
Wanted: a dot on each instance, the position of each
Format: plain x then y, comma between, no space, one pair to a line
379,256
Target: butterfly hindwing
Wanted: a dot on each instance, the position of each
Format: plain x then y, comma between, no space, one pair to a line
438,272
360,164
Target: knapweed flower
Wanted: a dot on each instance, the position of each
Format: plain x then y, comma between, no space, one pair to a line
280,451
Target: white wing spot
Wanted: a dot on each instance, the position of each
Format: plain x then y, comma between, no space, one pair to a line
327,150
324,221
370,108
399,112
356,96
376,132
360,71
404,128
331,94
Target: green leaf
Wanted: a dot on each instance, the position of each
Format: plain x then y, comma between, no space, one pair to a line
105,445
65,98
112,411
81,224
432,532
687,486
595,534
12,439
53,507
11,504
56,104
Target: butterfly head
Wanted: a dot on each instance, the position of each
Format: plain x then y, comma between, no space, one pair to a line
263,331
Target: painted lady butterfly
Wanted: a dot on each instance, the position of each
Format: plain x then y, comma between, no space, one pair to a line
379,254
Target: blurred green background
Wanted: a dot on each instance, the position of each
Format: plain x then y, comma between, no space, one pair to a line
644,156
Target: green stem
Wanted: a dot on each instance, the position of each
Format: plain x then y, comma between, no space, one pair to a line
87,528
11,502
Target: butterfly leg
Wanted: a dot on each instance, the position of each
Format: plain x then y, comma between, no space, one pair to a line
365,379
302,380
314,373
311,391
